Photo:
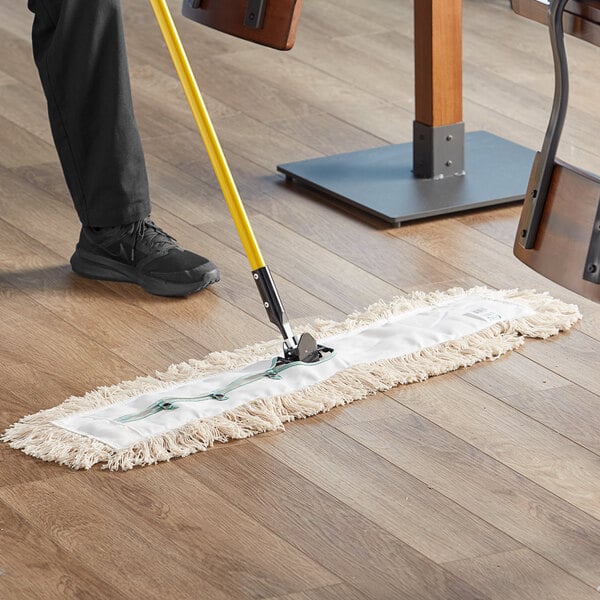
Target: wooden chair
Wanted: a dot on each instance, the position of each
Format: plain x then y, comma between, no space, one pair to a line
559,229
270,23
581,17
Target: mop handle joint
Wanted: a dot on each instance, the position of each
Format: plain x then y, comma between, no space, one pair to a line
273,305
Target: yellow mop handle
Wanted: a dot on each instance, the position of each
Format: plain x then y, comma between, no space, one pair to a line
209,137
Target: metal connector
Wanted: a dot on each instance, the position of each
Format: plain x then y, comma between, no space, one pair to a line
274,306
302,349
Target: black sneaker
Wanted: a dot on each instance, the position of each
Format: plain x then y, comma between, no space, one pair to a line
142,253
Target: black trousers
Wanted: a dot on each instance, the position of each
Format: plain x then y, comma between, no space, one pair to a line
79,50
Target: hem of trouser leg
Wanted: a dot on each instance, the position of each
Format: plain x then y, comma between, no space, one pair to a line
135,211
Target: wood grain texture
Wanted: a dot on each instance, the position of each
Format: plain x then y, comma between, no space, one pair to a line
565,231
568,409
420,493
531,515
481,256
234,552
521,575
389,497
26,558
75,516
342,540
438,62
333,592
556,464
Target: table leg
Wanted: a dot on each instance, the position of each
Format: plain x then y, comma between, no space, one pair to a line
443,170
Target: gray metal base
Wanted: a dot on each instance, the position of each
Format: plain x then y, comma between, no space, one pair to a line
380,180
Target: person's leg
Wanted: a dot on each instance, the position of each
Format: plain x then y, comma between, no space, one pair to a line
79,50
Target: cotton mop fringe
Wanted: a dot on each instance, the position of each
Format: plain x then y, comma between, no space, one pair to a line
37,436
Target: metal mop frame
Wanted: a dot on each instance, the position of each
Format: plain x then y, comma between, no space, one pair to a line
305,348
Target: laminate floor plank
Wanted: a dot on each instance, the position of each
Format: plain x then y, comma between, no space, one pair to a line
45,178
32,567
259,100
359,60
513,374
326,530
17,20
327,134
514,32
537,73
120,549
260,142
39,338
529,448
234,552
237,285
6,79
86,305
325,91
520,575
501,228
397,15
538,519
333,592
32,276
18,147
26,108
569,410
577,360
397,502
19,64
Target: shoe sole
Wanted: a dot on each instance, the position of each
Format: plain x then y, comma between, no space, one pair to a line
92,266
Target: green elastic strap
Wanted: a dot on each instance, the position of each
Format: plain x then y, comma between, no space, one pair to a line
220,394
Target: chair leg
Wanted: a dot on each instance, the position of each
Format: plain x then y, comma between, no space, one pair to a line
543,166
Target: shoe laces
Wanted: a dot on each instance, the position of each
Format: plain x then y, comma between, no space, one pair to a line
148,233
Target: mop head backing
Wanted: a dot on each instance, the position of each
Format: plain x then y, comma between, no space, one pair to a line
232,395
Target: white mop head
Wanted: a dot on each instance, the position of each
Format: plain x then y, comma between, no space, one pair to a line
237,394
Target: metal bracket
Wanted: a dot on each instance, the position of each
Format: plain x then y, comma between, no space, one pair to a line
273,304
541,174
592,262
303,349
255,14
438,152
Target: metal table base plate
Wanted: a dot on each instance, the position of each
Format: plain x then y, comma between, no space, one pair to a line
380,180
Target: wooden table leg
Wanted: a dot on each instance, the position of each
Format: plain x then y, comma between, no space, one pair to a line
438,62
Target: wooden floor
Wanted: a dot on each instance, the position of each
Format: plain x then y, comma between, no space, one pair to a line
484,483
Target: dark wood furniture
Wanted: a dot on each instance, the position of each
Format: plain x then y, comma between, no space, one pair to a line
568,221
559,230
267,22
581,18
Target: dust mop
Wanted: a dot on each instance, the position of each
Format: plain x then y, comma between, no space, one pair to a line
236,394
